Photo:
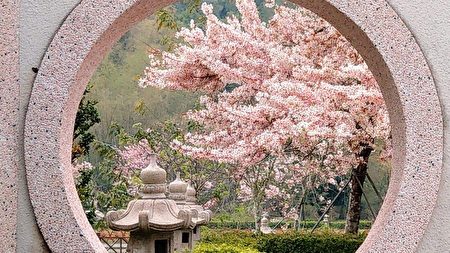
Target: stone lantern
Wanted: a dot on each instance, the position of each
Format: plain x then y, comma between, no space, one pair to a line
326,220
184,195
202,216
152,219
265,228
177,192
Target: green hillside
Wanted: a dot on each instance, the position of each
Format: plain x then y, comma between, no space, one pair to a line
115,84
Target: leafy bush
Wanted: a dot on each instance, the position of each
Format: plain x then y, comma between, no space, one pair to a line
243,238
222,248
325,242
322,241
100,190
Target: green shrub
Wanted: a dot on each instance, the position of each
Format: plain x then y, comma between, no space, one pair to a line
244,238
222,248
324,242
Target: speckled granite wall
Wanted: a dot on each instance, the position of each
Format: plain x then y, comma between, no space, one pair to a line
39,20
429,21
9,114
388,46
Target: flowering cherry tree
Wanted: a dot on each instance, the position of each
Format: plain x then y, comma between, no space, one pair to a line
292,88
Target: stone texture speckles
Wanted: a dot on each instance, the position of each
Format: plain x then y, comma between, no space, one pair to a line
9,109
395,58
374,29
88,32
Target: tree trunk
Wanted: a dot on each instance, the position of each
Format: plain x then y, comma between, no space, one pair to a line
298,221
257,216
300,213
354,205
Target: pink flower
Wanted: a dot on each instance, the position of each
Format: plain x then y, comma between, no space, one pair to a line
210,204
272,191
79,167
208,185
135,156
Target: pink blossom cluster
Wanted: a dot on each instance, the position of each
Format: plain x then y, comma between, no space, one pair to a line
245,192
135,157
211,204
208,185
272,191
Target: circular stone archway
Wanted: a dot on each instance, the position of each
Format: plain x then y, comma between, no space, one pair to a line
374,29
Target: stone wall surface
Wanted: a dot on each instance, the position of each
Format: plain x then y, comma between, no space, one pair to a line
36,21
39,20
429,21
9,111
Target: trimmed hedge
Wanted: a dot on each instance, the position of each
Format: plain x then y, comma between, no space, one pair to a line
244,238
240,241
222,248
364,224
327,242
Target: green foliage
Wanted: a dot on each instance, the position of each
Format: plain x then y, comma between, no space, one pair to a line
164,18
222,248
242,238
122,137
101,189
115,86
236,218
87,116
325,242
